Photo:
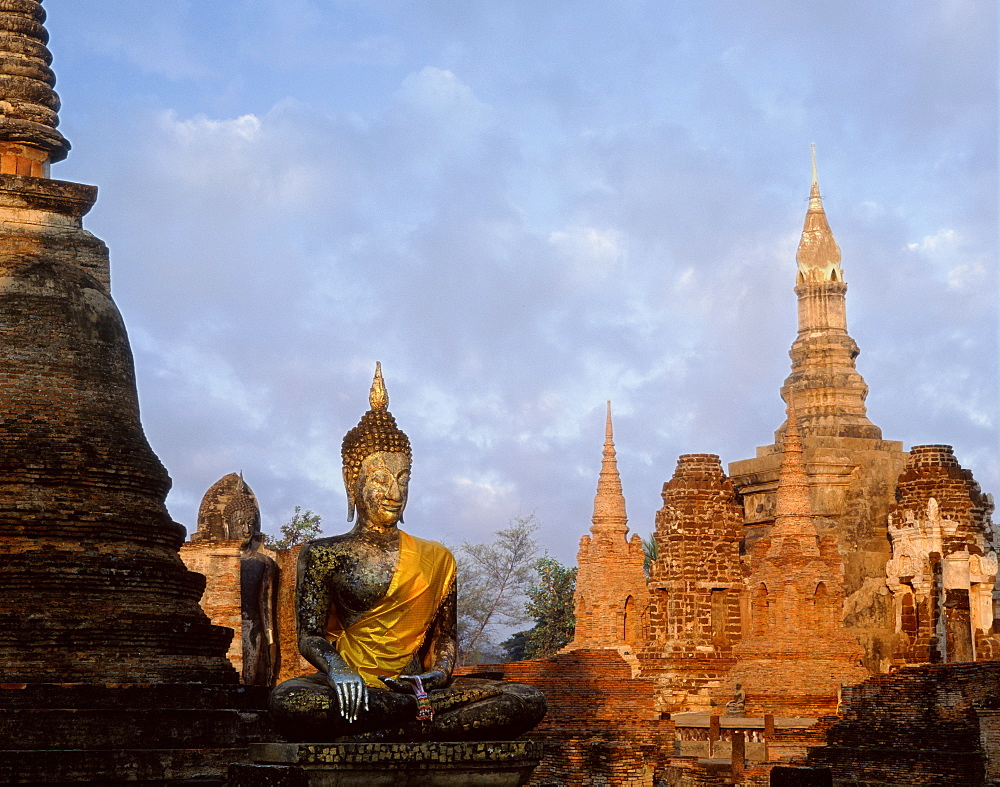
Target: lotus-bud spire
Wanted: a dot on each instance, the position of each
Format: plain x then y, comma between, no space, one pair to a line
818,255
378,396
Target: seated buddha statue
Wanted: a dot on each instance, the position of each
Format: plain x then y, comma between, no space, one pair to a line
377,618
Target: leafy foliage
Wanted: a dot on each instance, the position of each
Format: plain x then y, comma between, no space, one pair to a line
515,647
651,550
302,527
550,604
492,581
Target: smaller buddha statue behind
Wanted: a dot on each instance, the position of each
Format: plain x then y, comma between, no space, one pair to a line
229,513
377,618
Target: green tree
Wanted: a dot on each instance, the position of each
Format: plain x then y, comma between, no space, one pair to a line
651,550
492,580
515,647
550,604
303,526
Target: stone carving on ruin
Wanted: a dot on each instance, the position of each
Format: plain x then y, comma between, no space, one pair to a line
611,597
258,588
942,574
737,705
377,619
225,508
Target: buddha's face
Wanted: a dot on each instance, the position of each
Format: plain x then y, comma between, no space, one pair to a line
243,524
381,488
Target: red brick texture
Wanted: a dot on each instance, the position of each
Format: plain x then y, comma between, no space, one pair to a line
94,589
934,724
797,653
601,726
695,586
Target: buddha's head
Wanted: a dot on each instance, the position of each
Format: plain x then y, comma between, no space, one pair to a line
377,457
242,515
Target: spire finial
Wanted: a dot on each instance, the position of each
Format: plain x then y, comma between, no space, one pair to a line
609,503
818,255
378,397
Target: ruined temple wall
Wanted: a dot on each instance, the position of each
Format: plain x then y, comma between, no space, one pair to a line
219,563
695,586
852,483
601,726
290,661
943,571
934,724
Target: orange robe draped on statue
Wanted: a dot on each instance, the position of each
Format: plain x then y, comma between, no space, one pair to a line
384,640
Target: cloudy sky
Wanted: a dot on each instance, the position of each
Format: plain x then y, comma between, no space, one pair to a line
522,210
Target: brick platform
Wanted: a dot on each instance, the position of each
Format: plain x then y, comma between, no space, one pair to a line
488,763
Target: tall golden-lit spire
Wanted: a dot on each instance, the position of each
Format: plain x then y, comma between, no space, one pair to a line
818,255
609,503
825,387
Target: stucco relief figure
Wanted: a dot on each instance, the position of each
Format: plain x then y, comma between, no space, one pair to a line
258,589
377,618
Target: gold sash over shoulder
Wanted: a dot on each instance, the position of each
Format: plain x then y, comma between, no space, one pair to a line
384,640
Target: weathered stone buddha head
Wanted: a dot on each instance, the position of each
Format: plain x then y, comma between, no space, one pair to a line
242,515
228,511
377,457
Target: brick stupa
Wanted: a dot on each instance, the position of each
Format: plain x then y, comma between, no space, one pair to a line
851,469
796,654
695,584
109,666
611,597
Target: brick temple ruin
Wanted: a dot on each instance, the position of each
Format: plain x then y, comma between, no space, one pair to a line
830,602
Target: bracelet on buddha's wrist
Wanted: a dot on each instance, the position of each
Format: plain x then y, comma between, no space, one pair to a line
425,712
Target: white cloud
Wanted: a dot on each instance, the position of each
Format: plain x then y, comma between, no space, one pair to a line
438,89
592,254
961,267
200,129
524,229
940,242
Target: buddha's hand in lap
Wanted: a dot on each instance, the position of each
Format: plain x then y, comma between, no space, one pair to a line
352,694
434,679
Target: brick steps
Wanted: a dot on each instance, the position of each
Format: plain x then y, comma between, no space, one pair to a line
920,725
135,766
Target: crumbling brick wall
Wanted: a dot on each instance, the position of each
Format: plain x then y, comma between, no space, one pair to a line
919,725
601,726
695,585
